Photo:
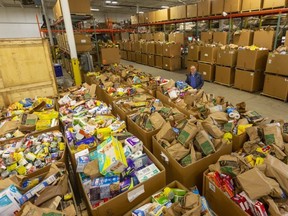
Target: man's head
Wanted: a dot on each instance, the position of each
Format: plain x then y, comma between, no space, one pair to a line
192,70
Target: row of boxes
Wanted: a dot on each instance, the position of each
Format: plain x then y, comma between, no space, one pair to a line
176,37
205,8
76,7
83,42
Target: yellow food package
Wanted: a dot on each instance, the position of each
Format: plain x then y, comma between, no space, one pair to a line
12,167
228,136
242,128
61,146
17,156
43,124
250,160
259,161
103,133
21,170
48,101
47,115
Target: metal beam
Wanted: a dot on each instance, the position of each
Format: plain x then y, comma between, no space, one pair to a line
47,23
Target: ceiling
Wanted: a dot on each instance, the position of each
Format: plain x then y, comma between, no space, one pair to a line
122,6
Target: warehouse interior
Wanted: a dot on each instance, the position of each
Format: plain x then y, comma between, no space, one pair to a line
143,108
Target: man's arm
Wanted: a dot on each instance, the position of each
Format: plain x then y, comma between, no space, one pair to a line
201,81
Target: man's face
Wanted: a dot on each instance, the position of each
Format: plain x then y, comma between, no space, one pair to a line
192,70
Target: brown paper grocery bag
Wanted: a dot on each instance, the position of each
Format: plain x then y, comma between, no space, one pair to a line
157,120
187,134
273,135
204,143
166,133
178,151
212,129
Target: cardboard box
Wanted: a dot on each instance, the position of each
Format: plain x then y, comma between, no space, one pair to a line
286,39
137,45
151,48
159,49
141,18
232,6
220,37
204,8
134,37
192,63
151,60
178,12
277,63
176,37
248,5
165,99
190,175
76,7
276,86
147,36
159,36
209,54
227,57
133,56
158,61
274,3
192,10
207,71
162,15
138,57
124,202
129,55
249,81
144,59
57,11
238,141
125,36
144,47
127,45
171,64
264,39
110,55
207,37
193,52
123,55
252,59
171,50
134,19
245,38
146,17
225,75
217,199
217,7
83,43
152,16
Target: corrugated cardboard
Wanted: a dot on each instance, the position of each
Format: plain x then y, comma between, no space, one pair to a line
248,5
277,63
134,19
138,57
137,45
232,5
224,75
123,55
151,60
164,99
144,47
274,3
207,37
276,86
171,64
57,12
178,12
264,39
227,57
127,45
192,63
204,8
220,37
125,36
141,18
238,141
245,38
152,16
146,17
252,60
120,204
193,52
158,61
176,37
144,59
133,56
217,199
129,55
162,15
249,81
217,7
159,36
192,10
207,71
286,39
83,43
110,55
171,50
151,48
190,175
209,54
76,7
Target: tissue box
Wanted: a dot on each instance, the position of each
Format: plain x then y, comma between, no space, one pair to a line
134,144
111,157
9,201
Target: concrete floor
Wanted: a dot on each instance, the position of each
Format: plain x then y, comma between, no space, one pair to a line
267,107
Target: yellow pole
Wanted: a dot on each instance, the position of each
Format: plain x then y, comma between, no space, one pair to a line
76,71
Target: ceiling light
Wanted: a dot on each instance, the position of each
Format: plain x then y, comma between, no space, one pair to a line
94,9
141,12
108,2
164,6
114,2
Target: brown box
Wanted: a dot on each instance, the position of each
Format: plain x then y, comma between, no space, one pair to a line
152,16
158,61
274,3
277,63
227,57
220,37
143,47
264,39
110,55
249,81
141,18
76,7
209,54
146,17
276,86
232,6
134,37
137,45
238,141
178,12
193,52
162,15
217,7
204,8
244,38
171,64
176,37
127,45
190,175
138,57
159,49
125,36
252,59
171,50
192,63
159,36
83,43
248,5
286,39
207,37
133,56
207,71
134,19
217,199
124,202
225,75
151,48
144,59
129,55
192,10
151,60
123,55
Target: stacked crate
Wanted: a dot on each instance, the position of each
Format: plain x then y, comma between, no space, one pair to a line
151,48
159,55
193,55
138,55
171,56
206,66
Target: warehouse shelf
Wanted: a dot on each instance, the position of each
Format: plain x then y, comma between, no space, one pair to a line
44,30
75,19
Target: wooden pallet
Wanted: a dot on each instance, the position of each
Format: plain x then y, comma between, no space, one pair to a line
270,96
224,84
253,92
271,8
251,10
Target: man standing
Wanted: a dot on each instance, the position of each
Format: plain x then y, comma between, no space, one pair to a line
194,79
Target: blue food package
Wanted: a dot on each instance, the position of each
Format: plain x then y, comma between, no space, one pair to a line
142,162
86,141
127,184
129,171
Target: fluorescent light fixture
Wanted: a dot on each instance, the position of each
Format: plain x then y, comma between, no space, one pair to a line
114,2
108,2
165,7
94,9
141,12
